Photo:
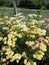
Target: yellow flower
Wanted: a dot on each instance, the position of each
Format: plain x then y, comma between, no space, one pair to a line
28,63
24,54
9,56
5,42
9,42
5,17
29,43
34,56
1,23
12,18
34,63
14,39
9,52
3,48
25,61
1,38
3,60
43,47
16,57
10,35
1,19
37,45
38,55
45,40
40,52
12,59
47,37
19,35
17,61
32,36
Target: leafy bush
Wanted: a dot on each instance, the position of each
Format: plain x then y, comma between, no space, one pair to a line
22,41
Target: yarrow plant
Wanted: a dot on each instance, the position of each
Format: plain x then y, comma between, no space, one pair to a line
21,38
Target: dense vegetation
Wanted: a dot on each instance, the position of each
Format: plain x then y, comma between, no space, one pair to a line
23,40
35,4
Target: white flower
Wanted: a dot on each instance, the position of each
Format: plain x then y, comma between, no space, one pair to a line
23,17
30,15
44,32
42,21
12,18
18,14
5,28
18,21
24,27
34,20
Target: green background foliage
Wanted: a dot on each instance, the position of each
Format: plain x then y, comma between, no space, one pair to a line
37,4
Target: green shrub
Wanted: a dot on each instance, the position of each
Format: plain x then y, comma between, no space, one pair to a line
22,41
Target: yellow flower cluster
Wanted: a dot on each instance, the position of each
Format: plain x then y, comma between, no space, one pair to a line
19,38
28,62
16,26
16,57
11,40
8,52
43,47
24,54
47,37
29,43
38,55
